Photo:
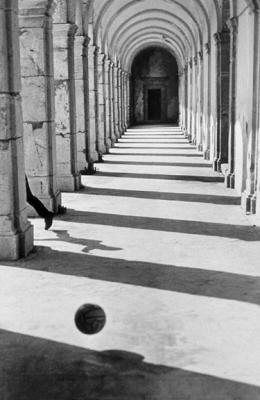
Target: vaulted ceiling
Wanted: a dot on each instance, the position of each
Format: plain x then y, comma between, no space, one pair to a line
122,28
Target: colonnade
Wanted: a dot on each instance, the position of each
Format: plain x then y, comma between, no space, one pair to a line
65,96
219,102
63,105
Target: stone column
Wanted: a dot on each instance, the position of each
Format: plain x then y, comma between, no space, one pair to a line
128,111
108,141
222,40
207,102
230,177
115,104
111,104
81,131
119,96
126,101
100,104
16,233
194,100
36,43
123,101
65,107
190,89
91,101
201,89
251,193
181,99
185,100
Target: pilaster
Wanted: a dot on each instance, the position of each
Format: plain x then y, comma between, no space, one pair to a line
107,66
222,41
230,176
16,233
65,107
36,42
91,102
80,86
100,103
207,101
115,104
250,197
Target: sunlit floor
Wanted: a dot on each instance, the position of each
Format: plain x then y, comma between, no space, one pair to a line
156,239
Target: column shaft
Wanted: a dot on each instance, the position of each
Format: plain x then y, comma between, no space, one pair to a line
16,233
36,43
65,107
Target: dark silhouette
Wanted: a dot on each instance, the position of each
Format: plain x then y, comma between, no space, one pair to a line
41,210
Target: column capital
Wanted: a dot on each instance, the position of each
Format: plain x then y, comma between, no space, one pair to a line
195,60
253,5
86,41
232,25
101,58
222,37
207,47
200,54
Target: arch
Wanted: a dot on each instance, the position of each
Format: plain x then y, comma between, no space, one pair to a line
147,42
155,86
140,15
130,4
151,32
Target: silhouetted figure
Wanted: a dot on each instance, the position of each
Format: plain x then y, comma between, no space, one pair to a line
41,210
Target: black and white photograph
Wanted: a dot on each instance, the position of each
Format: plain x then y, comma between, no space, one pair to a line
129,199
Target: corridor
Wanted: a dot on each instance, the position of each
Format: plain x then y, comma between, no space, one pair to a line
156,239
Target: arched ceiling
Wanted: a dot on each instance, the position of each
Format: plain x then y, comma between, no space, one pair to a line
121,27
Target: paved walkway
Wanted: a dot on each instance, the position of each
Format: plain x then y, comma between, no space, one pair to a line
155,239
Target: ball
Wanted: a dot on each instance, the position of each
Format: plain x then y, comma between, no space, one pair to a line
90,319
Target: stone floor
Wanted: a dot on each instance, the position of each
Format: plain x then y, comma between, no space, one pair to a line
156,240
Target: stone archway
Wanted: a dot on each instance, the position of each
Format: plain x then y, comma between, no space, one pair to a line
155,85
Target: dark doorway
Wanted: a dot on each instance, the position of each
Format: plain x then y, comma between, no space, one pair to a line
154,104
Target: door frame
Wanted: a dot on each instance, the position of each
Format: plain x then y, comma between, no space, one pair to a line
156,83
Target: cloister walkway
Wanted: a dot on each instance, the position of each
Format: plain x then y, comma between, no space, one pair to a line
156,239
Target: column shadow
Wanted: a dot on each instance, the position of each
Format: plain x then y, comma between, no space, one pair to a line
146,154
33,368
241,232
162,164
185,197
179,279
191,178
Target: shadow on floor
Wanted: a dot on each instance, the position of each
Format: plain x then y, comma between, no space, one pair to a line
241,232
192,178
88,244
187,148
32,368
186,197
154,154
162,164
194,281
174,141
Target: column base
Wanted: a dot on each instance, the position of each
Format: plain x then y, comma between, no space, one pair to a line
113,141
101,149
108,145
230,180
200,147
16,245
248,203
206,154
92,157
217,164
100,158
69,183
